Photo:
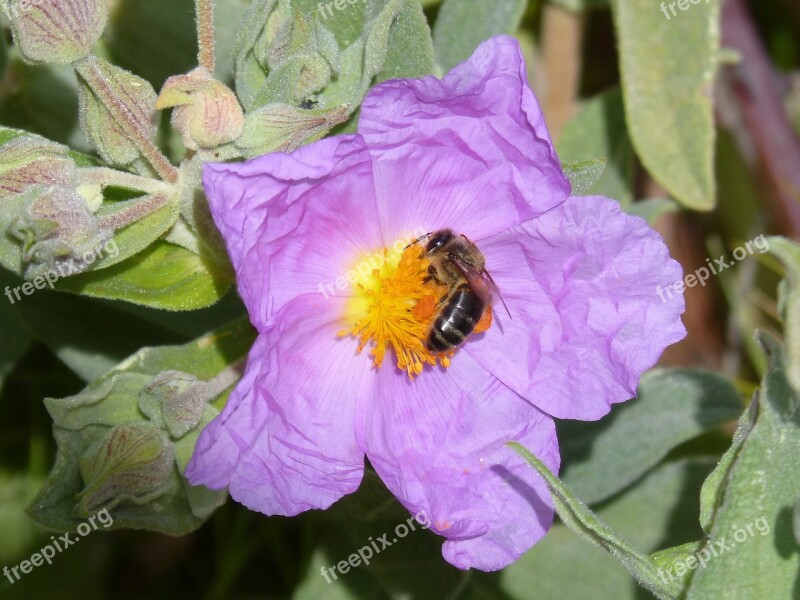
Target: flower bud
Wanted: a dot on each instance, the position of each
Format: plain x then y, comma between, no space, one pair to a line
206,112
56,31
133,462
132,93
281,127
59,232
30,159
176,399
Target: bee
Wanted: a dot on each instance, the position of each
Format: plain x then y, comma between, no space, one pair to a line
458,264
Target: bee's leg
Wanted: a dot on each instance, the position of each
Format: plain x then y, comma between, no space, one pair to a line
432,275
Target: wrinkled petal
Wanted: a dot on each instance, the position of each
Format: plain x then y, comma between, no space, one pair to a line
438,443
582,284
469,151
295,222
285,441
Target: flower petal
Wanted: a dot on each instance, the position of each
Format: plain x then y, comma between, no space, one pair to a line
438,443
285,441
469,151
294,223
582,284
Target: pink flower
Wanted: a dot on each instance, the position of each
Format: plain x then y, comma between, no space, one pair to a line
471,153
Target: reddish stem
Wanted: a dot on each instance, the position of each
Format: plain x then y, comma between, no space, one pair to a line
754,85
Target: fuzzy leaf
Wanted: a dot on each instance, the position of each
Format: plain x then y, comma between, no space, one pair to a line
463,24
589,526
751,536
650,209
788,253
122,478
668,67
599,130
162,276
672,406
583,175
658,510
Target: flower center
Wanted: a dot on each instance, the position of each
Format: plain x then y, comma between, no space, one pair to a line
396,303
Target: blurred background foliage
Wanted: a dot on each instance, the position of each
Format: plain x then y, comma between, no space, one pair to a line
711,162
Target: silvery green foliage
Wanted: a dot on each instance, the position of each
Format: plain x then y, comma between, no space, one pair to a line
124,440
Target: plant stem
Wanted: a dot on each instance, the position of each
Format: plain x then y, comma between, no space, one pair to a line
112,177
87,69
205,34
134,211
562,41
754,86
225,378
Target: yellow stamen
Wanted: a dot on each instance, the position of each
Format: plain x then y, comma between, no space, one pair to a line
394,305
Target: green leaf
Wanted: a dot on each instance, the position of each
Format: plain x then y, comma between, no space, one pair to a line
788,253
359,44
714,486
89,336
105,443
583,175
658,510
668,67
16,491
651,209
133,238
672,406
589,526
751,543
250,74
599,130
463,24
163,276
410,47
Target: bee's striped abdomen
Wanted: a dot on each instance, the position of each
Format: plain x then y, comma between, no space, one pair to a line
462,311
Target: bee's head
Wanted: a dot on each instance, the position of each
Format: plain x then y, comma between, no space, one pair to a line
438,240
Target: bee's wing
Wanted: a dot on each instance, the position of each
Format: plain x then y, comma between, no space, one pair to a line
481,282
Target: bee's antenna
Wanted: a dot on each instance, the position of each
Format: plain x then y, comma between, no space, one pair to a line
418,240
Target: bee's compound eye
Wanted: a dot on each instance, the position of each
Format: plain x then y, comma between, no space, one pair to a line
438,240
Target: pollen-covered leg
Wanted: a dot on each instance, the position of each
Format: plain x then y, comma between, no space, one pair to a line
485,321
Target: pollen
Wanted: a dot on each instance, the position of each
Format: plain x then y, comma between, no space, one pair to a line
395,305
